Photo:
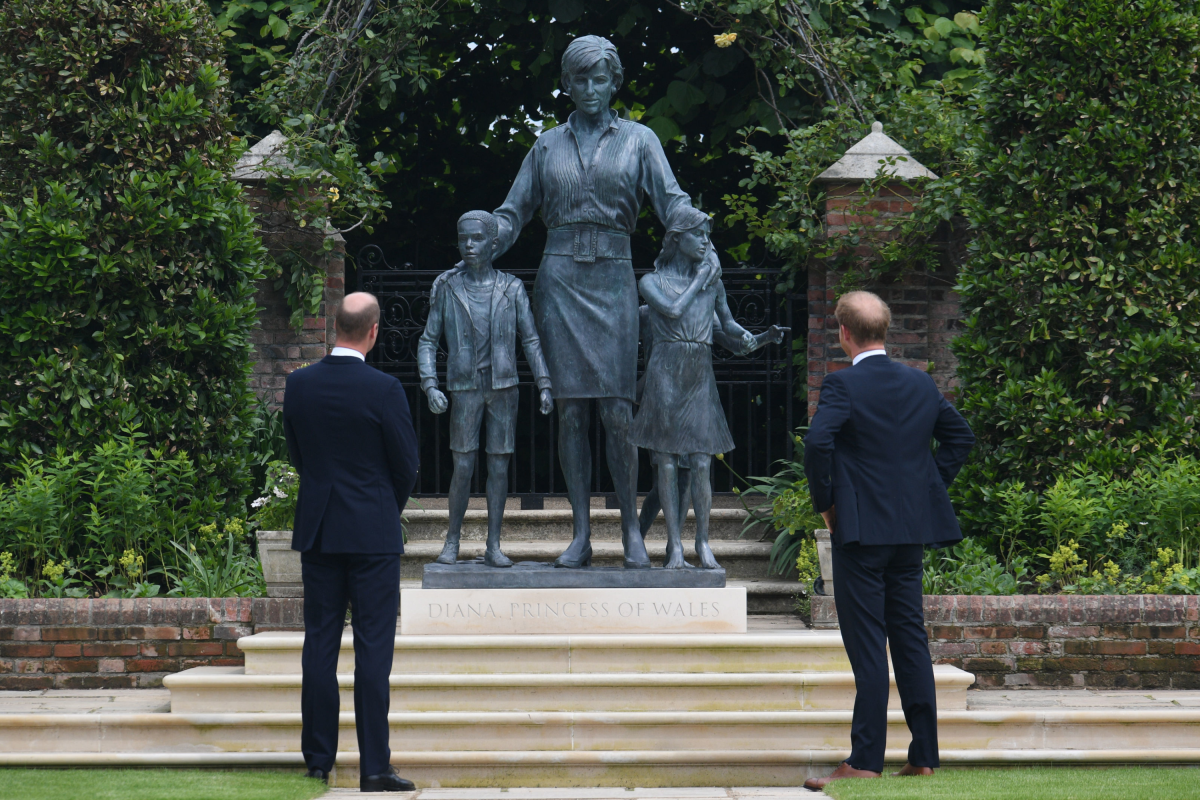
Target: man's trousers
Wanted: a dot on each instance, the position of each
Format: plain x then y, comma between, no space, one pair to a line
370,585
877,591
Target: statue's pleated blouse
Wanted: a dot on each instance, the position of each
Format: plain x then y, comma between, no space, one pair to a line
629,164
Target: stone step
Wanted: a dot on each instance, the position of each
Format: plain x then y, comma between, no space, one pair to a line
741,560
430,524
228,688
704,748
278,653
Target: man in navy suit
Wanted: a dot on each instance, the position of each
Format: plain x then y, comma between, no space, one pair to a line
351,438
882,492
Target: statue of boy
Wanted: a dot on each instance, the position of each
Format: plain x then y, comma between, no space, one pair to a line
480,311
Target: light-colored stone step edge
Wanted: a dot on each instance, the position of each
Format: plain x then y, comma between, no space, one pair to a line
784,640
235,677
226,688
539,760
565,731
781,651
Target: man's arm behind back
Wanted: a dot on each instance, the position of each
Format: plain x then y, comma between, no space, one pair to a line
955,440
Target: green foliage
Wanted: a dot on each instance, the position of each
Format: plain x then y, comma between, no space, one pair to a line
10,587
102,519
275,510
967,568
309,65
1081,343
127,257
228,571
781,502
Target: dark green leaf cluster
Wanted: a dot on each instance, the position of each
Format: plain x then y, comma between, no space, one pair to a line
1081,342
128,259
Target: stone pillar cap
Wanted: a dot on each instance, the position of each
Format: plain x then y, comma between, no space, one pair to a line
864,161
250,166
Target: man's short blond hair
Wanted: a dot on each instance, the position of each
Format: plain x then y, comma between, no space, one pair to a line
865,316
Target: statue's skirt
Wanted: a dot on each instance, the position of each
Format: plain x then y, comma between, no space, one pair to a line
681,410
587,319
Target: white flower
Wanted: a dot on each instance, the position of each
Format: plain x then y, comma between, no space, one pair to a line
279,492
259,503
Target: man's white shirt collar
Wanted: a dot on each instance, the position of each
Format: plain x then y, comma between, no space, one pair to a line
857,358
346,351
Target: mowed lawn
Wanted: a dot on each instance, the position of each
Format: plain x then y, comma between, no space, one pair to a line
1029,783
155,784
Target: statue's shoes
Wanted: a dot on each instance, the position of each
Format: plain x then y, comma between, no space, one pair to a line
496,559
568,563
449,554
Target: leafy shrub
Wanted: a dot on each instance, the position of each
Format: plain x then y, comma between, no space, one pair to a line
127,256
276,509
1081,343
967,568
105,520
782,502
223,571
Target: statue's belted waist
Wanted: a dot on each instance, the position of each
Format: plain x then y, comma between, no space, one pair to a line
586,243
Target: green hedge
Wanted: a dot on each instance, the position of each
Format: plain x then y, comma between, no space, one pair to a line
1082,287
127,256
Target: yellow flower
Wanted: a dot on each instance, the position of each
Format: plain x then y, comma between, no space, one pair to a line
54,571
334,194
725,39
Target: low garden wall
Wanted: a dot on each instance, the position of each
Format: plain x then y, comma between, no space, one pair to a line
128,644
1029,641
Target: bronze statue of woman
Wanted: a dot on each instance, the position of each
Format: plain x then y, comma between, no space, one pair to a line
588,177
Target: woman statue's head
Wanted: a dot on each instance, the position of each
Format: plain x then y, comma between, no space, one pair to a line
686,236
591,73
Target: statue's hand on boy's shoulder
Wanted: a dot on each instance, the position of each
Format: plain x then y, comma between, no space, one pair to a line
440,279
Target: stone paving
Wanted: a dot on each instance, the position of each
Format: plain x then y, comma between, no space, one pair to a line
615,793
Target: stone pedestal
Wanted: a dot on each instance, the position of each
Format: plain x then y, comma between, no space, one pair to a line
544,575
572,611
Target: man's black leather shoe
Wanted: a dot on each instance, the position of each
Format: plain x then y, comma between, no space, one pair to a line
319,774
386,782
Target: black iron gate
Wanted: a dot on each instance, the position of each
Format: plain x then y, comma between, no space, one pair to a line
757,391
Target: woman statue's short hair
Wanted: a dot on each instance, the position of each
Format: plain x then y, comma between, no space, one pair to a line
586,52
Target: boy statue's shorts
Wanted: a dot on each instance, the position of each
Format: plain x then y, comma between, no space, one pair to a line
467,410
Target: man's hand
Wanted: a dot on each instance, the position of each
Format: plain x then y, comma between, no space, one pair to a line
547,401
437,401
830,517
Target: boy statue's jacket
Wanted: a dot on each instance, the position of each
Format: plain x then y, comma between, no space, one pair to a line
449,312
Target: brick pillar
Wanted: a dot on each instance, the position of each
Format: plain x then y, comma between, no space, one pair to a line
278,347
925,310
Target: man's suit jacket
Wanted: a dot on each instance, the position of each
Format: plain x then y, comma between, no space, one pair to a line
868,453
351,438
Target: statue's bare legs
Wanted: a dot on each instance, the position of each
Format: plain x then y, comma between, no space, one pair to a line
702,505
668,492
460,492
652,504
575,456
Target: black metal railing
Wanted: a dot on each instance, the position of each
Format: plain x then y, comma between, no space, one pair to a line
757,391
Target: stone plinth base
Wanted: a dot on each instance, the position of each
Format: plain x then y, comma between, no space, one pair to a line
572,611
542,575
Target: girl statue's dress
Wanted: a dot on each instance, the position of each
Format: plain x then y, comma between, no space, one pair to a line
681,412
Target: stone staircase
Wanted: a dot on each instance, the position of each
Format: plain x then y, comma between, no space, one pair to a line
766,708
544,534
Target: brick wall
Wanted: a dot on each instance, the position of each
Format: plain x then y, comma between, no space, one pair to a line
128,644
1028,641
278,347
925,310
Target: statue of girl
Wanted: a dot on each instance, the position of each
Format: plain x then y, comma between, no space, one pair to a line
680,419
